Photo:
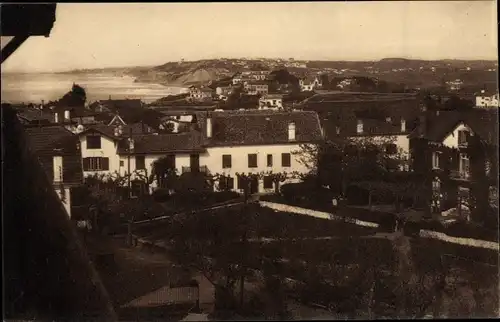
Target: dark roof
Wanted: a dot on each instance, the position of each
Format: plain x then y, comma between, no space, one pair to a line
109,131
482,122
374,114
115,105
251,127
32,115
84,113
29,20
164,143
48,141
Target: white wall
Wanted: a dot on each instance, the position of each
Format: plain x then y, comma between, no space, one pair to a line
107,150
181,160
451,141
239,160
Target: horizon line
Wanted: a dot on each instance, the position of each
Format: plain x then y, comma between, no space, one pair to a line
246,58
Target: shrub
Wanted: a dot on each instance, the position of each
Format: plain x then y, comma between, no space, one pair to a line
161,195
305,192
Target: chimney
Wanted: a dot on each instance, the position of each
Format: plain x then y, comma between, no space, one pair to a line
58,168
403,125
56,117
209,127
291,131
66,115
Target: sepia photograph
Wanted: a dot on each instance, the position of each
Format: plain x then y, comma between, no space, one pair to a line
212,161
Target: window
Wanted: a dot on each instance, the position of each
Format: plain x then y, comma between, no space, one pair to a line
95,164
268,182
286,160
252,160
241,183
226,183
138,188
391,149
269,160
291,131
359,128
464,165
463,137
170,161
435,160
194,162
93,142
226,161
58,168
140,162
436,184
121,163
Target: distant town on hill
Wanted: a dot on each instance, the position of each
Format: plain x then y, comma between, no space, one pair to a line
412,72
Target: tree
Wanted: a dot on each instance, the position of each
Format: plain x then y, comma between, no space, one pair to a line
76,97
338,163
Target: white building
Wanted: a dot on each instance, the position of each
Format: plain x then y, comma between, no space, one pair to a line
104,153
486,101
257,142
271,101
226,143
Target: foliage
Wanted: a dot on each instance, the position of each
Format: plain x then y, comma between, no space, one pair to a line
339,163
76,97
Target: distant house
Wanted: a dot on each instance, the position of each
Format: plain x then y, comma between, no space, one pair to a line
58,151
237,79
200,93
271,101
309,83
455,85
257,88
223,92
487,101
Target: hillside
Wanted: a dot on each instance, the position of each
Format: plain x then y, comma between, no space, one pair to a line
412,72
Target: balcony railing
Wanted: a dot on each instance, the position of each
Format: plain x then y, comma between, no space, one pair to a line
202,169
460,175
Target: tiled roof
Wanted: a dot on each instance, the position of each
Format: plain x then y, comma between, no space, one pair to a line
48,141
164,143
374,114
137,128
259,127
482,122
31,114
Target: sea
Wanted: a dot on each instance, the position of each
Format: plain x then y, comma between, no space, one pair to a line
33,88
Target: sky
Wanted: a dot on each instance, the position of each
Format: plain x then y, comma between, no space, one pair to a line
99,35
